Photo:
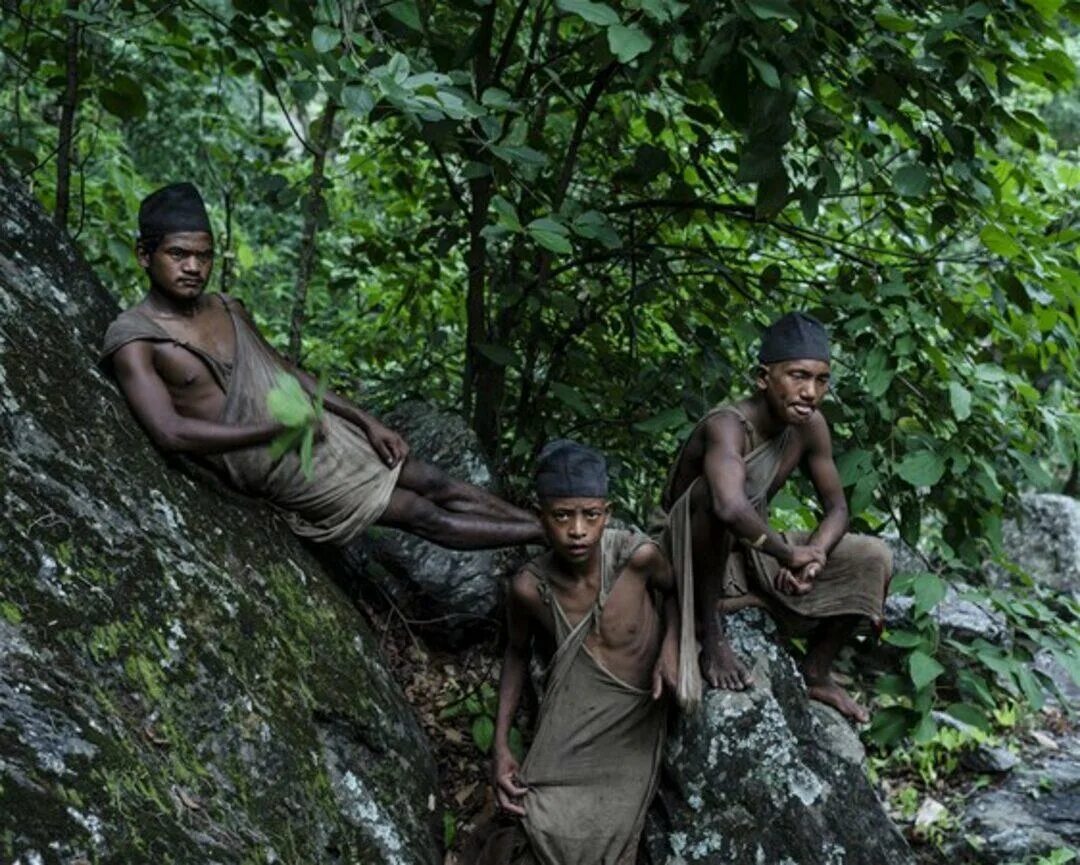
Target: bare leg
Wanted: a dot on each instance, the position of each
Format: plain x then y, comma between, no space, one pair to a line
451,494
817,667
719,664
458,531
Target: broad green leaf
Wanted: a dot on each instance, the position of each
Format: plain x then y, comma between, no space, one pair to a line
664,10
894,22
594,13
903,639
626,43
923,669
971,715
852,464
911,181
357,100
483,732
288,402
407,12
921,469
929,590
960,400
925,729
668,419
124,98
570,397
508,217
550,234
878,373
765,70
498,354
998,242
772,9
324,38
521,155
771,196
891,724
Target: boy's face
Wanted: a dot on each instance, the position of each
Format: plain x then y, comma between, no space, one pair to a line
574,526
794,389
180,265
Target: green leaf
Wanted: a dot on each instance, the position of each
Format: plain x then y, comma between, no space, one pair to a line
971,715
288,402
520,155
508,217
570,397
903,639
498,354
771,196
911,181
483,732
406,12
960,400
626,43
765,70
998,242
929,590
669,419
894,22
891,724
594,13
550,234
357,100
921,469
324,38
877,372
853,464
923,669
517,744
124,98
766,9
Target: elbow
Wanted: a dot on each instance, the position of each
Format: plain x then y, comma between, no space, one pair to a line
727,512
169,439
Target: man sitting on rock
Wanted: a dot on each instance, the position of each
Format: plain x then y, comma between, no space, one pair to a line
821,584
583,789
196,373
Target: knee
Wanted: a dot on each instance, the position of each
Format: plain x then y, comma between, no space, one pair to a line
878,557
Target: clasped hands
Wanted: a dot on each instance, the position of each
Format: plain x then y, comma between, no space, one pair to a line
796,576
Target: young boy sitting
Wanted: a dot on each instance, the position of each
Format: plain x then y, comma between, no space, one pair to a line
582,791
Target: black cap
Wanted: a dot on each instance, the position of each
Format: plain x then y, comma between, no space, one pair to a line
566,469
173,208
794,336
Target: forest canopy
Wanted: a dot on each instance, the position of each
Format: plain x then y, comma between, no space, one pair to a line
570,217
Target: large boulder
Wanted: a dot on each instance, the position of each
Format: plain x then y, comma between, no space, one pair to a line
454,593
767,776
960,615
1044,541
179,679
1033,813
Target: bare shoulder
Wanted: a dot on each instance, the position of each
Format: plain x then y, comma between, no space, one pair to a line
646,557
724,430
525,590
136,356
815,434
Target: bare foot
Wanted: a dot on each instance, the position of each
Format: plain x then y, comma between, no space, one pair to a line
722,668
826,690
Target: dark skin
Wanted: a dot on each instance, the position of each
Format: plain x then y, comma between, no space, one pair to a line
788,395
176,399
631,643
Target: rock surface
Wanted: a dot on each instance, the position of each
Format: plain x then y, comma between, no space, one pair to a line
179,680
1044,541
957,617
456,592
766,776
1036,811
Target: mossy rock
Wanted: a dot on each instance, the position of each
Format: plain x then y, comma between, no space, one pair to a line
180,681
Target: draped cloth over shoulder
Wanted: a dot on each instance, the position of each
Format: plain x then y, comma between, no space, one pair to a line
594,763
351,486
854,577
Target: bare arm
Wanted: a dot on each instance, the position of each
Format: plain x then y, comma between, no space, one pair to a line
150,401
508,789
652,562
390,446
725,473
821,468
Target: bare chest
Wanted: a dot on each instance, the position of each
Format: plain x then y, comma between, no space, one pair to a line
625,618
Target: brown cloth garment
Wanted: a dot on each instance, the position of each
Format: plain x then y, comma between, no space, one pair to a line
851,583
593,766
351,486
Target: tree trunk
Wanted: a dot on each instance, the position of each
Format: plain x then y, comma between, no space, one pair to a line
313,207
67,121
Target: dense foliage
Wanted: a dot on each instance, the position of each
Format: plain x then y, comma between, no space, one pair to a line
571,217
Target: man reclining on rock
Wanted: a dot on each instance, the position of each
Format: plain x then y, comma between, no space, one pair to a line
821,584
196,373
582,791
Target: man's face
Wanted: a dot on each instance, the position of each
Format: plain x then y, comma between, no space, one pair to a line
180,266
793,389
574,526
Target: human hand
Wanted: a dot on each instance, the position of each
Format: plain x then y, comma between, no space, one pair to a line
801,556
792,583
666,670
391,448
507,784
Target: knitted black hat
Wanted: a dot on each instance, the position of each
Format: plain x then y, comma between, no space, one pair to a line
794,336
566,469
